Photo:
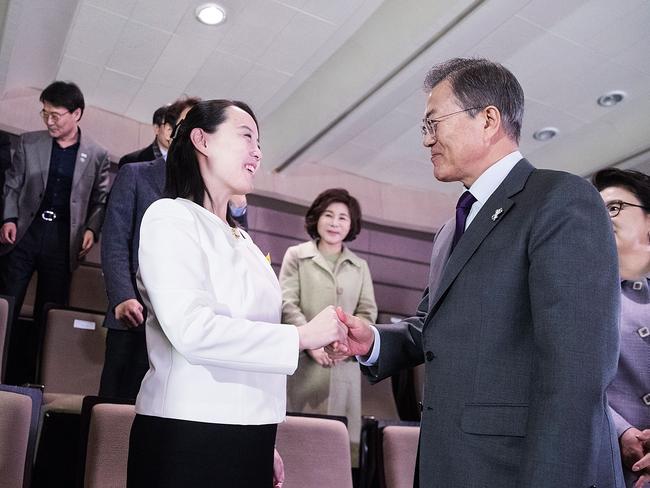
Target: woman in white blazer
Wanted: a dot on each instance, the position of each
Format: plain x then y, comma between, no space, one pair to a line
209,405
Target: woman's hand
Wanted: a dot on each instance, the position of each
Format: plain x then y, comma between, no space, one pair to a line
278,470
321,357
325,328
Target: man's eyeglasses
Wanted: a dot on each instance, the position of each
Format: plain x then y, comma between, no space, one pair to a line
615,207
429,125
55,116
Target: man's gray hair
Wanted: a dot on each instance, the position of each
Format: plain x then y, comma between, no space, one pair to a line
480,83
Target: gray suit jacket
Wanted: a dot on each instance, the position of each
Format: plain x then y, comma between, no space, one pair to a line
518,332
27,178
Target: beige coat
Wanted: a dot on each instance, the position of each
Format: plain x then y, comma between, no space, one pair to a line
308,286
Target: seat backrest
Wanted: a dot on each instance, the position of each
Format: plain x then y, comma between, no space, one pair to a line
378,400
315,451
5,328
20,409
72,356
400,446
32,401
107,450
87,289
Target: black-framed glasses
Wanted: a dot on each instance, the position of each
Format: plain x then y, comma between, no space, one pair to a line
55,116
429,125
615,207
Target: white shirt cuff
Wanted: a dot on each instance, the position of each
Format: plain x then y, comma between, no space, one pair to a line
374,354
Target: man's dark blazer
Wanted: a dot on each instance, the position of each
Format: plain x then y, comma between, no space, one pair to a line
136,187
518,331
139,156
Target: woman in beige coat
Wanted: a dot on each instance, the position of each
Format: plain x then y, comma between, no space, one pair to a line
316,274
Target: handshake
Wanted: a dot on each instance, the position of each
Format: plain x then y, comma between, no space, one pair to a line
341,334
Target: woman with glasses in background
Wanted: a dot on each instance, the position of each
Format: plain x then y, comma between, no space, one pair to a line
627,197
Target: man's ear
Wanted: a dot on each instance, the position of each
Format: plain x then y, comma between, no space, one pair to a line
492,118
76,113
197,136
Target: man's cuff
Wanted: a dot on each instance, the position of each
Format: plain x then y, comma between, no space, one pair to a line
374,354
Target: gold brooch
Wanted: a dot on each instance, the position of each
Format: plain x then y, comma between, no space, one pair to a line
235,232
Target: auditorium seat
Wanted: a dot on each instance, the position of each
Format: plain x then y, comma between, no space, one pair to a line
27,309
6,306
107,449
400,445
19,417
377,400
72,357
87,289
315,451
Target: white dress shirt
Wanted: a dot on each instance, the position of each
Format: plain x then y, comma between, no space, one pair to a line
482,189
217,350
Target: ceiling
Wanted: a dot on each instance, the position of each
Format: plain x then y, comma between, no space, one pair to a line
337,83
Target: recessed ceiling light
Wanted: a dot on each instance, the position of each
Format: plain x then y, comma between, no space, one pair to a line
612,98
210,14
545,134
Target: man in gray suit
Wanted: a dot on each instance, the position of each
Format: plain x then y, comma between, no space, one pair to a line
518,326
54,198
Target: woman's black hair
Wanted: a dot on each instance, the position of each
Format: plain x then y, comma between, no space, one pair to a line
183,177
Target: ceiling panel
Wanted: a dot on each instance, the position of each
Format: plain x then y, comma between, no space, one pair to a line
138,49
188,53
84,74
159,14
117,90
94,35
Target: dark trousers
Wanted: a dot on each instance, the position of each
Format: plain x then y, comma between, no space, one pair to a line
171,453
44,249
125,363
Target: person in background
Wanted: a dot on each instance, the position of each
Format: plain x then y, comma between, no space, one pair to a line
315,274
5,160
627,197
158,148
208,407
54,201
517,328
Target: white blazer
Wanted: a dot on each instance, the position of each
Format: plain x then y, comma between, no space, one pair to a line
217,350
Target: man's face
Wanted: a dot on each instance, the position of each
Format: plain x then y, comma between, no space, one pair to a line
631,230
163,135
456,145
60,122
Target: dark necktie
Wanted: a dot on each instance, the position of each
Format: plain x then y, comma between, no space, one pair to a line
463,207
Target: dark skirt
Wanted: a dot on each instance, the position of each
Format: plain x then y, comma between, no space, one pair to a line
170,453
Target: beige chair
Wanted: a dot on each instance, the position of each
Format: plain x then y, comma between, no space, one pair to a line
316,453
107,450
87,289
27,309
72,358
5,328
400,445
377,400
15,422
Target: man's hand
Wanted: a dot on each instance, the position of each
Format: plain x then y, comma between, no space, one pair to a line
8,233
359,341
87,243
129,312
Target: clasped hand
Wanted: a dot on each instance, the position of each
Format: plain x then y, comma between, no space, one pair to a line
343,335
635,451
